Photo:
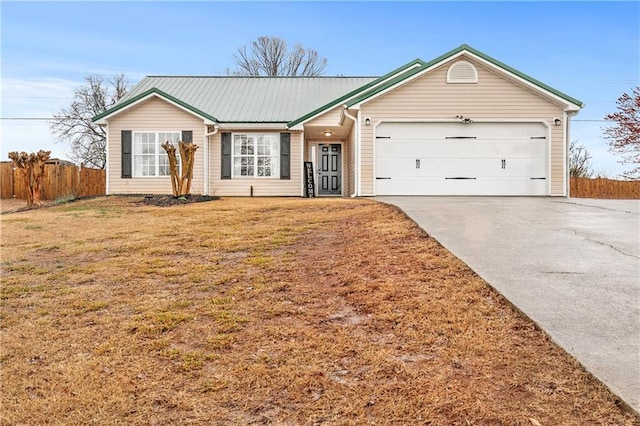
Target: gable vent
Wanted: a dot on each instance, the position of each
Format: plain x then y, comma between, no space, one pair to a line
462,72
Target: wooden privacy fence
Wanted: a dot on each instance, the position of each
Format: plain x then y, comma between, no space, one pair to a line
605,188
59,180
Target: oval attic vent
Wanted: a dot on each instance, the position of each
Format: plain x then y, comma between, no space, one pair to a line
462,72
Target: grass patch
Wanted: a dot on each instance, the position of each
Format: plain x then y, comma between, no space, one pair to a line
65,199
265,311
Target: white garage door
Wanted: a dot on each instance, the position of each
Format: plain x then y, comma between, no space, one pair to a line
461,159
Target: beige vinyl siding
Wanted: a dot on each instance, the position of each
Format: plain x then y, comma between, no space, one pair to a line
494,97
152,115
262,187
329,118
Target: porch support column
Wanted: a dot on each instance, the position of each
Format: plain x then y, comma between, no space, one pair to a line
302,164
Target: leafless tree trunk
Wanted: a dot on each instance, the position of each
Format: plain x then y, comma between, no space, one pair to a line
181,182
31,166
87,140
173,165
269,56
579,165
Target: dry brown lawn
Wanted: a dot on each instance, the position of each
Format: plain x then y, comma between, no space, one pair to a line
267,311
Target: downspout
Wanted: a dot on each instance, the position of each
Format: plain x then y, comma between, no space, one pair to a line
356,174
106,163
206,157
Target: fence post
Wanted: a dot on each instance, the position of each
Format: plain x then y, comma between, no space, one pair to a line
13,181
79,190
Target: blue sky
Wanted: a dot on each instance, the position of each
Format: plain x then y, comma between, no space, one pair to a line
589,50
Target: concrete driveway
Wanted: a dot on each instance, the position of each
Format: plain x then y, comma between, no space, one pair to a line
572,265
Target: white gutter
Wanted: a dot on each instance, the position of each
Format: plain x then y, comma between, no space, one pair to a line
356,124
206,157
215,130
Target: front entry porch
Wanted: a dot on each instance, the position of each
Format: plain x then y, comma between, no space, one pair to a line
329,146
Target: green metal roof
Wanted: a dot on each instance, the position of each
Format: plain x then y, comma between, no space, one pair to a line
232,99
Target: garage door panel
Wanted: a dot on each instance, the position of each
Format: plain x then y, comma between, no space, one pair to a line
495,159
518,167
443,130
434,168
461,148
451,168
467,167
528,149
440,186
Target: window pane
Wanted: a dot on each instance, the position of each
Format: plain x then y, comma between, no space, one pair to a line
163,165
144,165
137,166
274,147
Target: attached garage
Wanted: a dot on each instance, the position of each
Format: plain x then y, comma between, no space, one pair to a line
458,158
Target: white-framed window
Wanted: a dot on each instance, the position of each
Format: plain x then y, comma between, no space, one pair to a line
149,158
256,155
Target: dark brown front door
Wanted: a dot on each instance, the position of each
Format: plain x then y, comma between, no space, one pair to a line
330,169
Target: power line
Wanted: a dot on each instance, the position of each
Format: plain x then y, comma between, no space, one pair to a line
37,97
27,118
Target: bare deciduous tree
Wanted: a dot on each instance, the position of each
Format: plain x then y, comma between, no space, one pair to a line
87,140
31,166
579,164
270,56
624,136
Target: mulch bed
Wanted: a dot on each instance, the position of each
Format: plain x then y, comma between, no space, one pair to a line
171,200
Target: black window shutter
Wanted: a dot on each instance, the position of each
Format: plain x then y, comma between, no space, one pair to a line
187,136
226,155
285,155
126,154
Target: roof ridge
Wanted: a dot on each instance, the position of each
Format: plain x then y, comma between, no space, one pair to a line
262,76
